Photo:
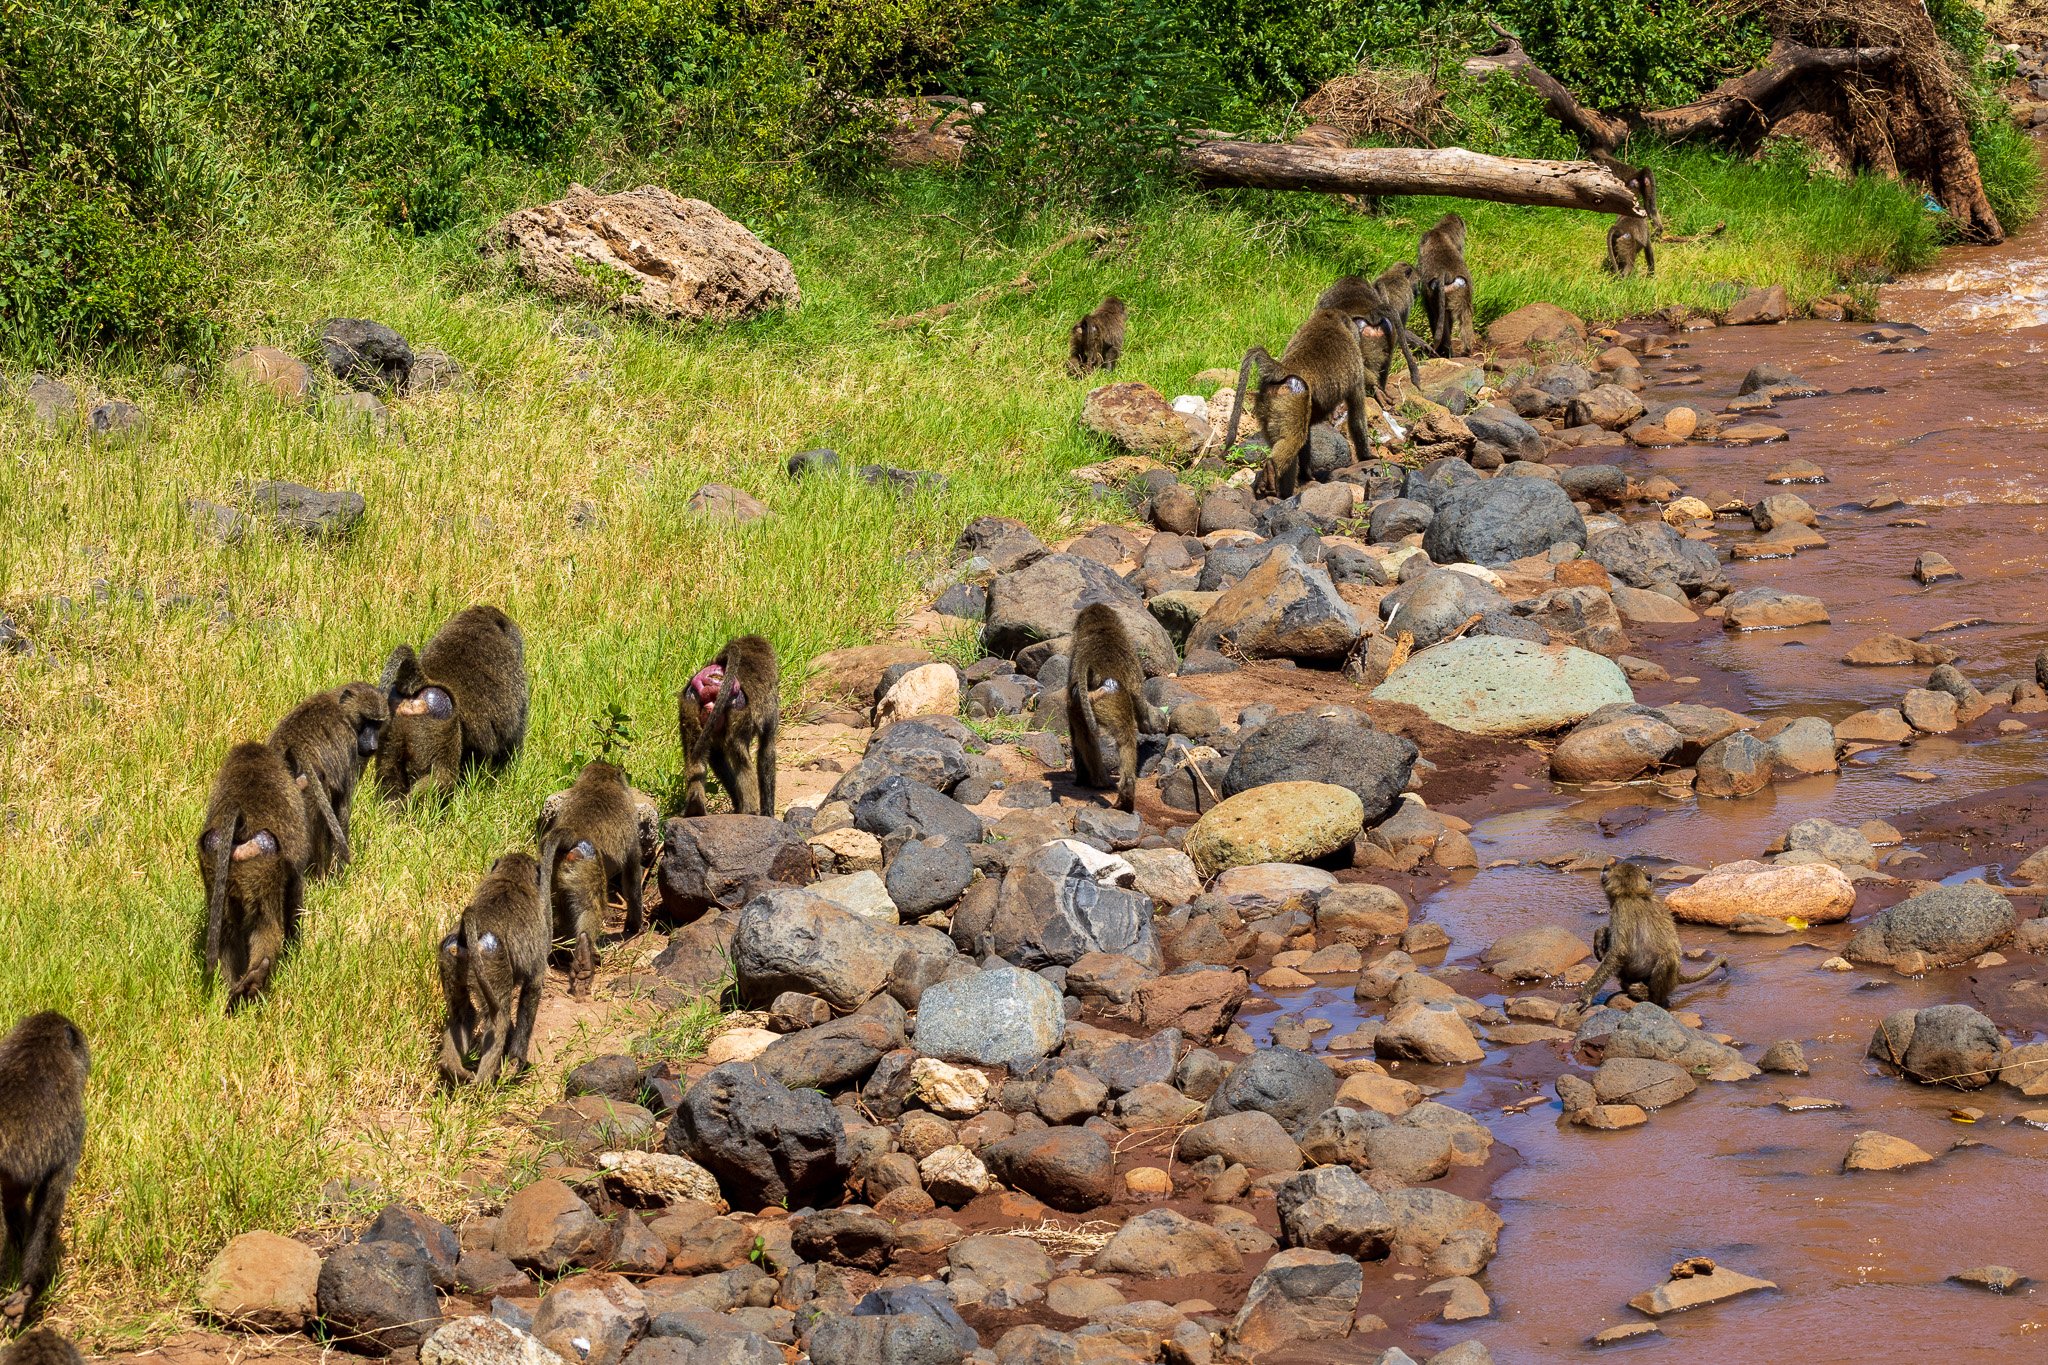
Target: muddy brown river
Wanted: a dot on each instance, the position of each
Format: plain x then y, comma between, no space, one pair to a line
1949,424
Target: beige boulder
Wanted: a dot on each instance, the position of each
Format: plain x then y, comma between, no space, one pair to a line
1749,891
1281,822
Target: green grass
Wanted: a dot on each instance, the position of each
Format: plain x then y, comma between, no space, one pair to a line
203,1126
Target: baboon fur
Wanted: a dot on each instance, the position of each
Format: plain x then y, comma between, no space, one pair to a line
1321,369
1446,284
1640,179
729,715
41,1346
1638,946
1097,342
253,855
591,849
1383,304
44,1063
462,700
328,740
1628,238
1106,700
493,966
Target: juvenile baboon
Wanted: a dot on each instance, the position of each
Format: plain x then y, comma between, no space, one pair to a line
43,1066
729,714
326,741
1098,338
1383,304
1638,946
1640,179
253,855
592,847
1106,701
1446,286
1627,239
461,700
41,1346
1321,368
493,965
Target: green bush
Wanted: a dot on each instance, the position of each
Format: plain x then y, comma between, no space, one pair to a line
1636,54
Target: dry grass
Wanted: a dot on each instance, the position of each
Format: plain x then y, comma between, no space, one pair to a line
1398,102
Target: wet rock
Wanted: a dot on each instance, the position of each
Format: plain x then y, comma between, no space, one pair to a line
1613,750
1951,1045
1999,1279
1771,609
1040,601
1068,1168
1650,1031
365,354
1300,1295
1748,891
1497,521
1758,306
1928,711
1934,567
262,1282
1443,1233
1360,913
1737,766
1641,1081
1281,822
1464,1299
1806,746
1427,1031
1001,1017
1695,1289
1282,609
1782,509
1941,927
1337,747
1875,1151
592,1319
378,1296
1885,648
1784,1058
1250,1137
484,1341
1606,405
1536,954
1506,688
1878,725
765,1143
1165,1245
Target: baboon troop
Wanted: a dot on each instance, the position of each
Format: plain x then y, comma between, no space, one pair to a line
591,848
1627,239
492,965
460,701
728,715
44,1063
1638,946
253,858
1446,285
1106,702
1382,306
1098,338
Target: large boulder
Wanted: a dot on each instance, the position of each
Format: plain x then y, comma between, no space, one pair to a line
1337,746
1644,554
1063,902
1282,822
1068,1168
1331,1208
796,941
766,1143
378,1296
262,1282
1291,1086
645,251
1438,604
1936,928
1651,1031
712,862
1283,609
999,1017
1749,892
1505,688
1162,1244
1301,1295
1497,521
1942,1045
1040,601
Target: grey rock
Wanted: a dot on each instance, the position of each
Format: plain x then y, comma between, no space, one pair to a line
766,1143
1006,544
1052,911
1337,746
1952,1045
795,941
1068,1168
1438,604
1040,601
1291,1086
720,862
898,804
1331,1208
378,1296
928,874
433,1239
366,354
1941,927
889,1339
1498,521
310,512
1644,554
1000,1017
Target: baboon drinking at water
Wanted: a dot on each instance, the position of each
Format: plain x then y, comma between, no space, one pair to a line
1446,285
1627,239
1106,702
1321,368
253,855
326,741
493,965
1638,946
43,1066
729,714
1383,305
592,847
460,700
1098,338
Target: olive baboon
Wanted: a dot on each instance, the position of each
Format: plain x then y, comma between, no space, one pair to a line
1106,702
1627,239
1640,179
493,965
729,714
253,854
1383,304
326,741
43,1066
1321,368
460,700
591,847
41,1346
1446,285
1638,946
1098,339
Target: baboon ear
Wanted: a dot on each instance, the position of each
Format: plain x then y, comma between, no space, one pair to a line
402,676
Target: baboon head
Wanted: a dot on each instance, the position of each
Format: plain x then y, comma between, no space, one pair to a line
368,712
1625,881
423,734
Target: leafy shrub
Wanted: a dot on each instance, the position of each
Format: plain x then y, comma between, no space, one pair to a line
1636,54
864,46
1505,116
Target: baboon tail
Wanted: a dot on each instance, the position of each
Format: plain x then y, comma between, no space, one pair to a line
1399,327
1703,973
1256,355
217,897
550,849
714,724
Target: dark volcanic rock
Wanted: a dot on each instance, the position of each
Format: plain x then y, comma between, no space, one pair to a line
723,861
1040,601
1941,1045
766,1143
1291,1086
1500,520
366,355
378,1297
1335,747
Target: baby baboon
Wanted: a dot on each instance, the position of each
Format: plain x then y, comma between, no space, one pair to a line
1098,338
493,965
461,700
1638,946
252,860
1640,179
729,713
1106,701
1322,367
326,741
1384,305
1628,239
43,1066
592,847
41,1346
1446,286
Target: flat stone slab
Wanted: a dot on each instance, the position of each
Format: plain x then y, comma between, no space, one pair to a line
1696,1291
1491,685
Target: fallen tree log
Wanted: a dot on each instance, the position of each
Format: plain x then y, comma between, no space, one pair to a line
1730,107
1449,171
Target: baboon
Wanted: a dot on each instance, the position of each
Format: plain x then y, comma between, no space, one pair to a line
1627,239
1322,367
1106,702
326,741
493,965
1640,179
461,700
1384,305
1446,286
1098,338
43,1066
592,846
1638,946
729,713
41,1346
253,855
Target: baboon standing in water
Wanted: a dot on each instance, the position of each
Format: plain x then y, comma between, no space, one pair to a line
252,860
1638,946
326,741
461,700
1106,702
43,1066
1321,368
1384,305
592,847
729,714
1627,239
1446,286
1097,342
493,965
